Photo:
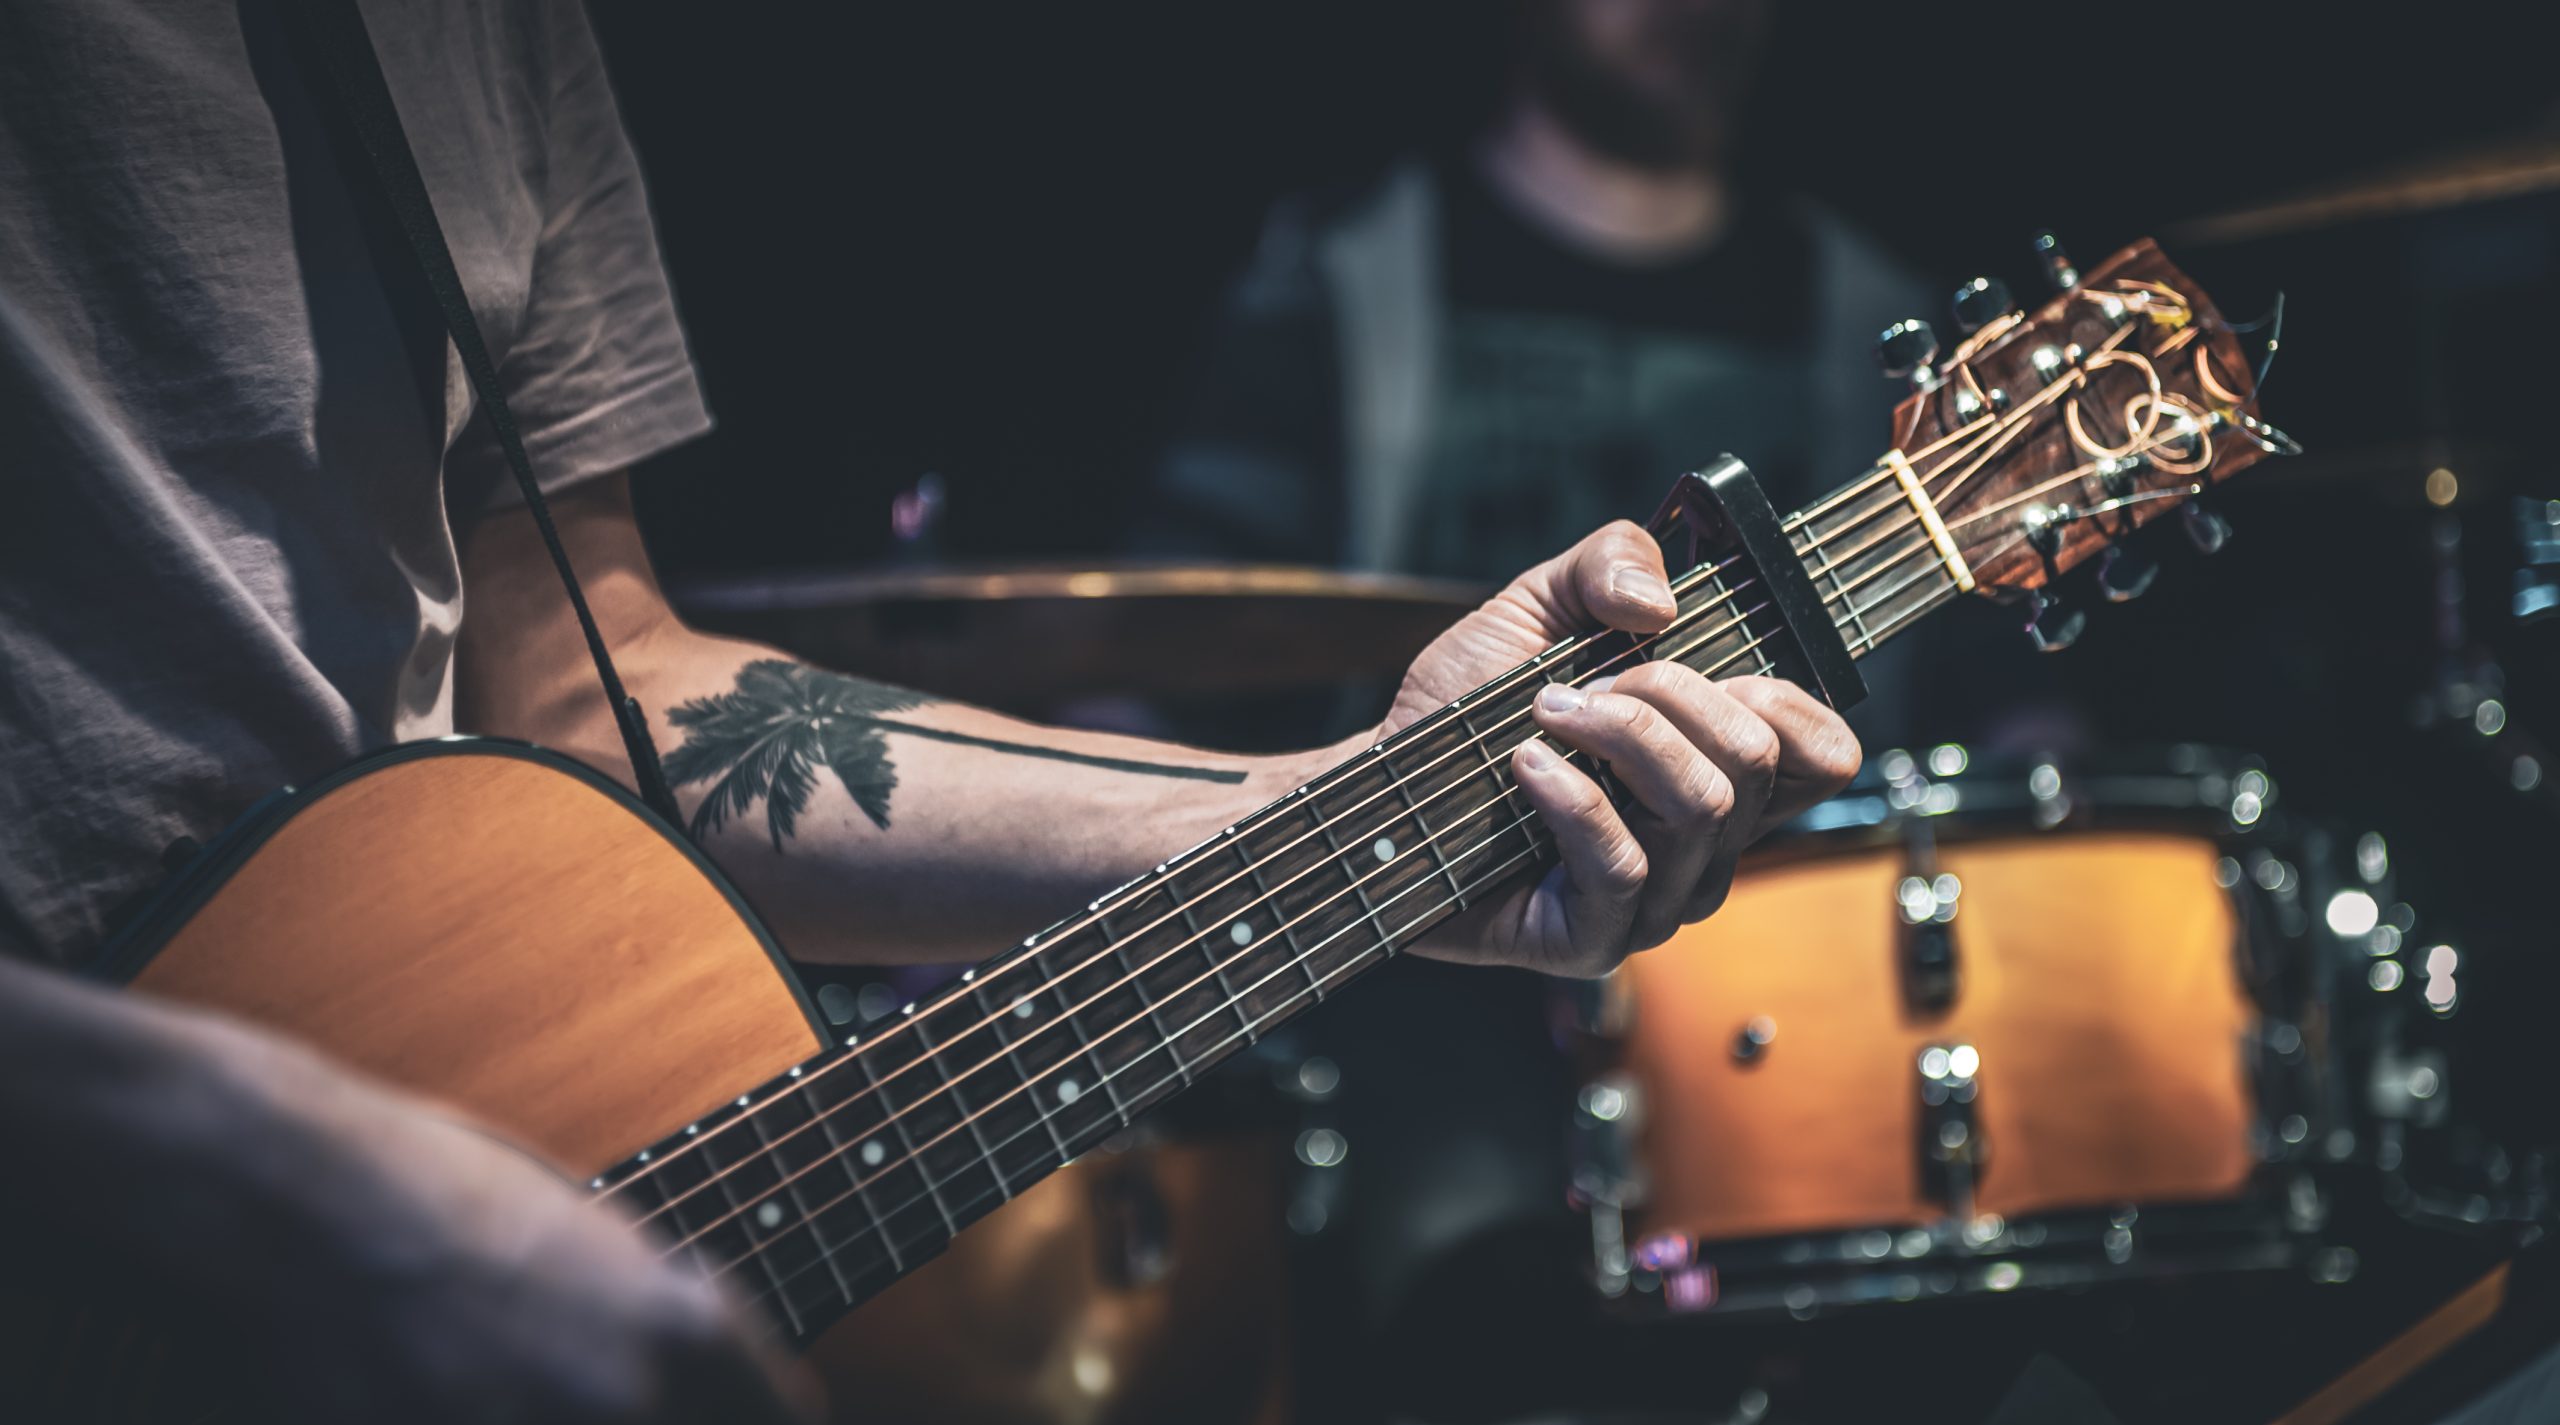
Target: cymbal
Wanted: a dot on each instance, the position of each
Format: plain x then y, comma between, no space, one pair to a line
2445,181
1032,636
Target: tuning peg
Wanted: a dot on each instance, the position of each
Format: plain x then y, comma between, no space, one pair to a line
1907,348
2058,268
2207,531
2124,576
2053,625
1980,302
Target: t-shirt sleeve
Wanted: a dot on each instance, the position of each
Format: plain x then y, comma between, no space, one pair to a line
597,375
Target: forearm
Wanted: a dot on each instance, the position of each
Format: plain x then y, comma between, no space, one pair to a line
888,826
863,822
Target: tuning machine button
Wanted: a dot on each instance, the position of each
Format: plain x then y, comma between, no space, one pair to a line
2053,625
2124,576
2057,265
2207,531
2115,475
1980,302
2042,525
1906,349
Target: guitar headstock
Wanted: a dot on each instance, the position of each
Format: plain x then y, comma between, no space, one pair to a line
2046,436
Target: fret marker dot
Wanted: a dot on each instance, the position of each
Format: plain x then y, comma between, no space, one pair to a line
1241,932
769,1216
872,1153
1385,850
1023,1008
1069,1090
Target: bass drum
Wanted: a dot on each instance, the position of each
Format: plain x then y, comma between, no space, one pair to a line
1971,1028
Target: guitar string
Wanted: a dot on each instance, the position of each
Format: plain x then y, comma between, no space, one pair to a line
1398,783
1062,1021
1873,480
1187,942
2004,428
1096,913
914,1152
827,1256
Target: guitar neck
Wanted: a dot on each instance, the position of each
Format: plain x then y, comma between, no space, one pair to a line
834,1181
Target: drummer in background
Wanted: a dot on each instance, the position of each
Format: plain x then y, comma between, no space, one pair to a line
1442,375
1489,348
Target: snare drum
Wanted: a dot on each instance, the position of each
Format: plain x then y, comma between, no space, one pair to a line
1968,1028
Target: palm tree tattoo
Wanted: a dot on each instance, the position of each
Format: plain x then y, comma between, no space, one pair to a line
769,737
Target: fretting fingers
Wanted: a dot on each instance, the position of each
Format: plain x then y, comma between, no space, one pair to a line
1817,754
1682,801
1603,870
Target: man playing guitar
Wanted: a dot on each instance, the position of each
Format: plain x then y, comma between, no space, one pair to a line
252,535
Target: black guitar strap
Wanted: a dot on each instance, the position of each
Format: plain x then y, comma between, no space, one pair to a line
333,34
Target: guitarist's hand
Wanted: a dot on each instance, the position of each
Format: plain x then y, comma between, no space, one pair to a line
1710,765
453,1278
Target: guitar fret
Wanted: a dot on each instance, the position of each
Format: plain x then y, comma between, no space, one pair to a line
1831,571
968,1116
1299,955
811,1218
1138,983
898,1125
1368,910
1217,968
842,1153
1502,781
1013,1057
1102,1070
740,1212
1758,653
1430,835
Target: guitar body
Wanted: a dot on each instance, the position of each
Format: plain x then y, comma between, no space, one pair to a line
488,925
497,928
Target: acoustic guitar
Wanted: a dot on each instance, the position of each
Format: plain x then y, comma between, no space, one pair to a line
509,931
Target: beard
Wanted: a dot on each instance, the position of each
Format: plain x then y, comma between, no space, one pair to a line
1682,120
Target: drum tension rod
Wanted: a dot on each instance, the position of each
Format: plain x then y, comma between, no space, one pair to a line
1926,897
1951,1147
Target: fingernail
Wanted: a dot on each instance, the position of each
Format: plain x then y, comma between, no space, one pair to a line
1641,586
1562,698
1538,755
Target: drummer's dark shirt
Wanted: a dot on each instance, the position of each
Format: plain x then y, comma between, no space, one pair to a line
1575,387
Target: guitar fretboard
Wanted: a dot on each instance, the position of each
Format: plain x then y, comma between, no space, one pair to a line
817,1191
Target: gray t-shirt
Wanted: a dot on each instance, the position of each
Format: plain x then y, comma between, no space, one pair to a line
229,439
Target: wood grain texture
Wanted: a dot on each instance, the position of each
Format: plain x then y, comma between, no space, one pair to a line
497,933
2099,986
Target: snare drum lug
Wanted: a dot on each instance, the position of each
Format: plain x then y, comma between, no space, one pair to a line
1926,934
1952,1152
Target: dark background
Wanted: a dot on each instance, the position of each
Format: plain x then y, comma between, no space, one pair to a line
984,241
981,239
